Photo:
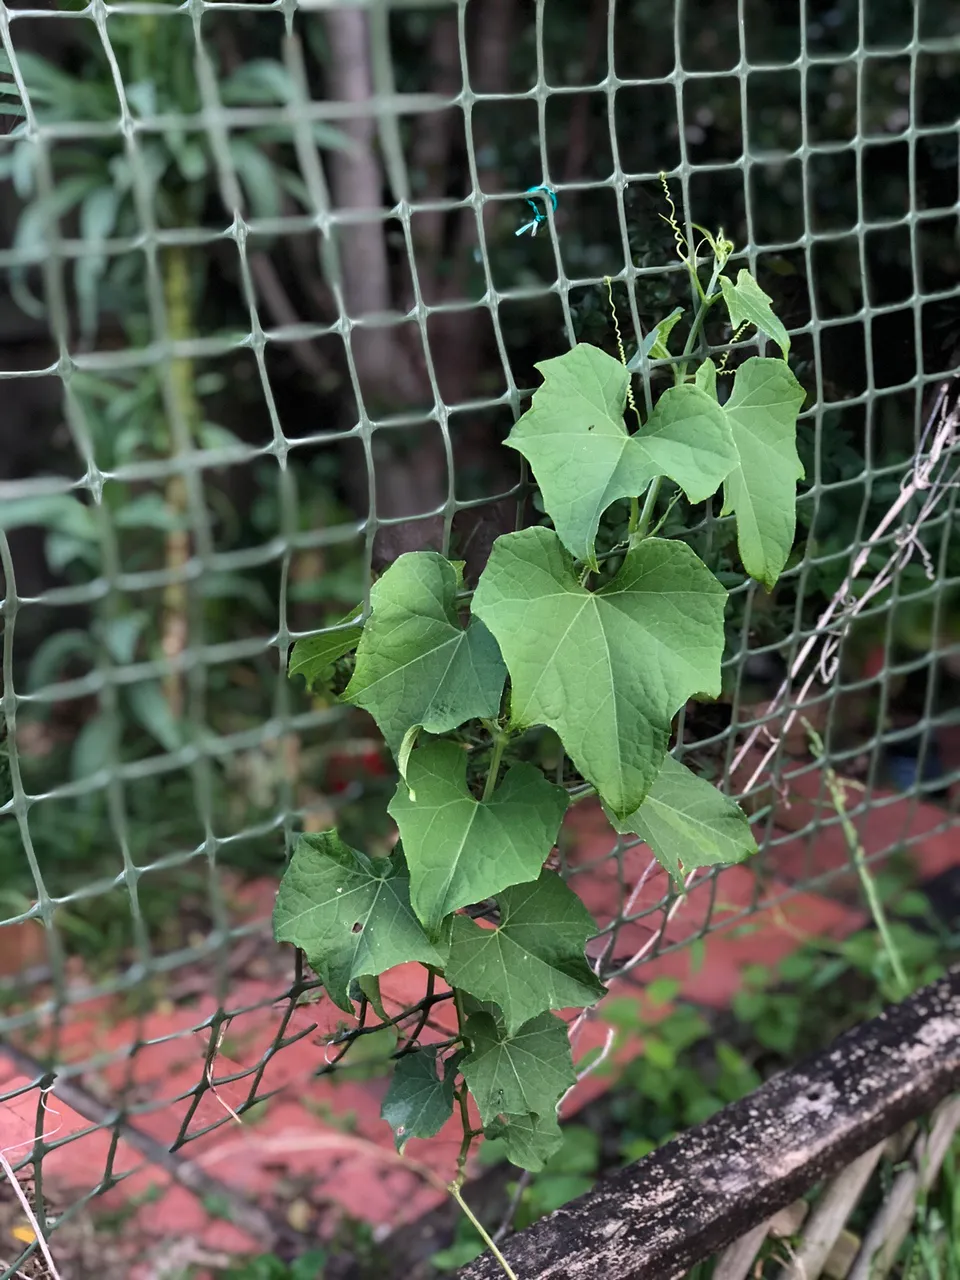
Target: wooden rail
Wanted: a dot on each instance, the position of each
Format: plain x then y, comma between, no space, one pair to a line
723,1181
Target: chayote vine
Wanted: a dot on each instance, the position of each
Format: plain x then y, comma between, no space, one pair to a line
602,649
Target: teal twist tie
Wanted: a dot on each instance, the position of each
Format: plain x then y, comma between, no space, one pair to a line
538,217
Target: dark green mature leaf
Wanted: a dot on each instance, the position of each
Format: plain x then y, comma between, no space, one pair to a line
520,1074
687,821
746,301
348,913
607,669
574,437
460,849
415,663
419,1102
313,656
762,490
528,1141
533,961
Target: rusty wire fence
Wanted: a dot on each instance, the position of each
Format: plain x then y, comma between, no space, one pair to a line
268,311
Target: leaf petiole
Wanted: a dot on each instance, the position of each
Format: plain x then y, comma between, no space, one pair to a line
500,740
646,515
634,516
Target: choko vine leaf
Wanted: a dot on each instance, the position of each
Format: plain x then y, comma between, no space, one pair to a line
706,377
762,490
462,850
520,1074
415,663
655,345
746,301
419,1101
313,656
348,913
533,961
687,821
574,437
608,669
528,1141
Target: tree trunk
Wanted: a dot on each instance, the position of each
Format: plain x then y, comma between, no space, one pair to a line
389,374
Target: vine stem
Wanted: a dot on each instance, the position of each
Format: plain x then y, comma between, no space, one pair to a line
646,515
634,516
469,1133
854,845
500,738
468,1136
709,298
482,1232
638,529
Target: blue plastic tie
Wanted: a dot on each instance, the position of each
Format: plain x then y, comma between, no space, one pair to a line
538,217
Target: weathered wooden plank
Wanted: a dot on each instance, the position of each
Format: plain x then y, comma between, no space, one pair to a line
736,1261
889,1228
830,1217
716,1182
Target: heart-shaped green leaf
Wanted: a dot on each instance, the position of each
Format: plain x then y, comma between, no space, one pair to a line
688,822
528,1141
520,1074
746,302
608,669
689,442
533,961
415,663
762,489
574,437
462,850
419,1101
349,914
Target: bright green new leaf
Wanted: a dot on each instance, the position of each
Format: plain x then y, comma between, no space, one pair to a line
419,1101
706,378
348,913
608,670
688,822
762,490
746,301
462,850
313,656
574,437
528,1141
415,663
525,1073
533,961
690,442
655,344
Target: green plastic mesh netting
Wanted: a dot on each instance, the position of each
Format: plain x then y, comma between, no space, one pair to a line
272,289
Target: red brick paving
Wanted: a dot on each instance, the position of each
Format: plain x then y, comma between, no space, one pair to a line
327,1130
